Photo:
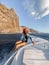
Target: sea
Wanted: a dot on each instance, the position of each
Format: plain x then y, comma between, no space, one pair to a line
42,35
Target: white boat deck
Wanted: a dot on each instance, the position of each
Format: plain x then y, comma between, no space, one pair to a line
36,56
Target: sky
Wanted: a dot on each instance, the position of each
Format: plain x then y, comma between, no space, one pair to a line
32,13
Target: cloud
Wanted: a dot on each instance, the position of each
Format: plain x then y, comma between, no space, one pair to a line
45,12
44,8
37,8
33,13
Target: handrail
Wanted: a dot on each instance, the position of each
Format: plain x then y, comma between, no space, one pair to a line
10,59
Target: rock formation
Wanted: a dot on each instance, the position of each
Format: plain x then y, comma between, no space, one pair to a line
9,22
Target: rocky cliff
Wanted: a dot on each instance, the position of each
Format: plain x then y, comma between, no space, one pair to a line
9,22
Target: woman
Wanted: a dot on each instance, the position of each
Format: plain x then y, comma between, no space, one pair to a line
26,36
24,39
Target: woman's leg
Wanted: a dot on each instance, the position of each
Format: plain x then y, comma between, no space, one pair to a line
19,44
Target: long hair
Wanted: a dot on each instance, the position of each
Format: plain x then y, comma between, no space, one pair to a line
24,31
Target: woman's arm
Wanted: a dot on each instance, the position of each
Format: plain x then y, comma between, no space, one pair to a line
31,39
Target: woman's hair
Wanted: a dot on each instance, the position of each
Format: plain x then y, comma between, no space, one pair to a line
25,31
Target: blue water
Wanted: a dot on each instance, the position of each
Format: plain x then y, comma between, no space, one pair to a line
42,35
